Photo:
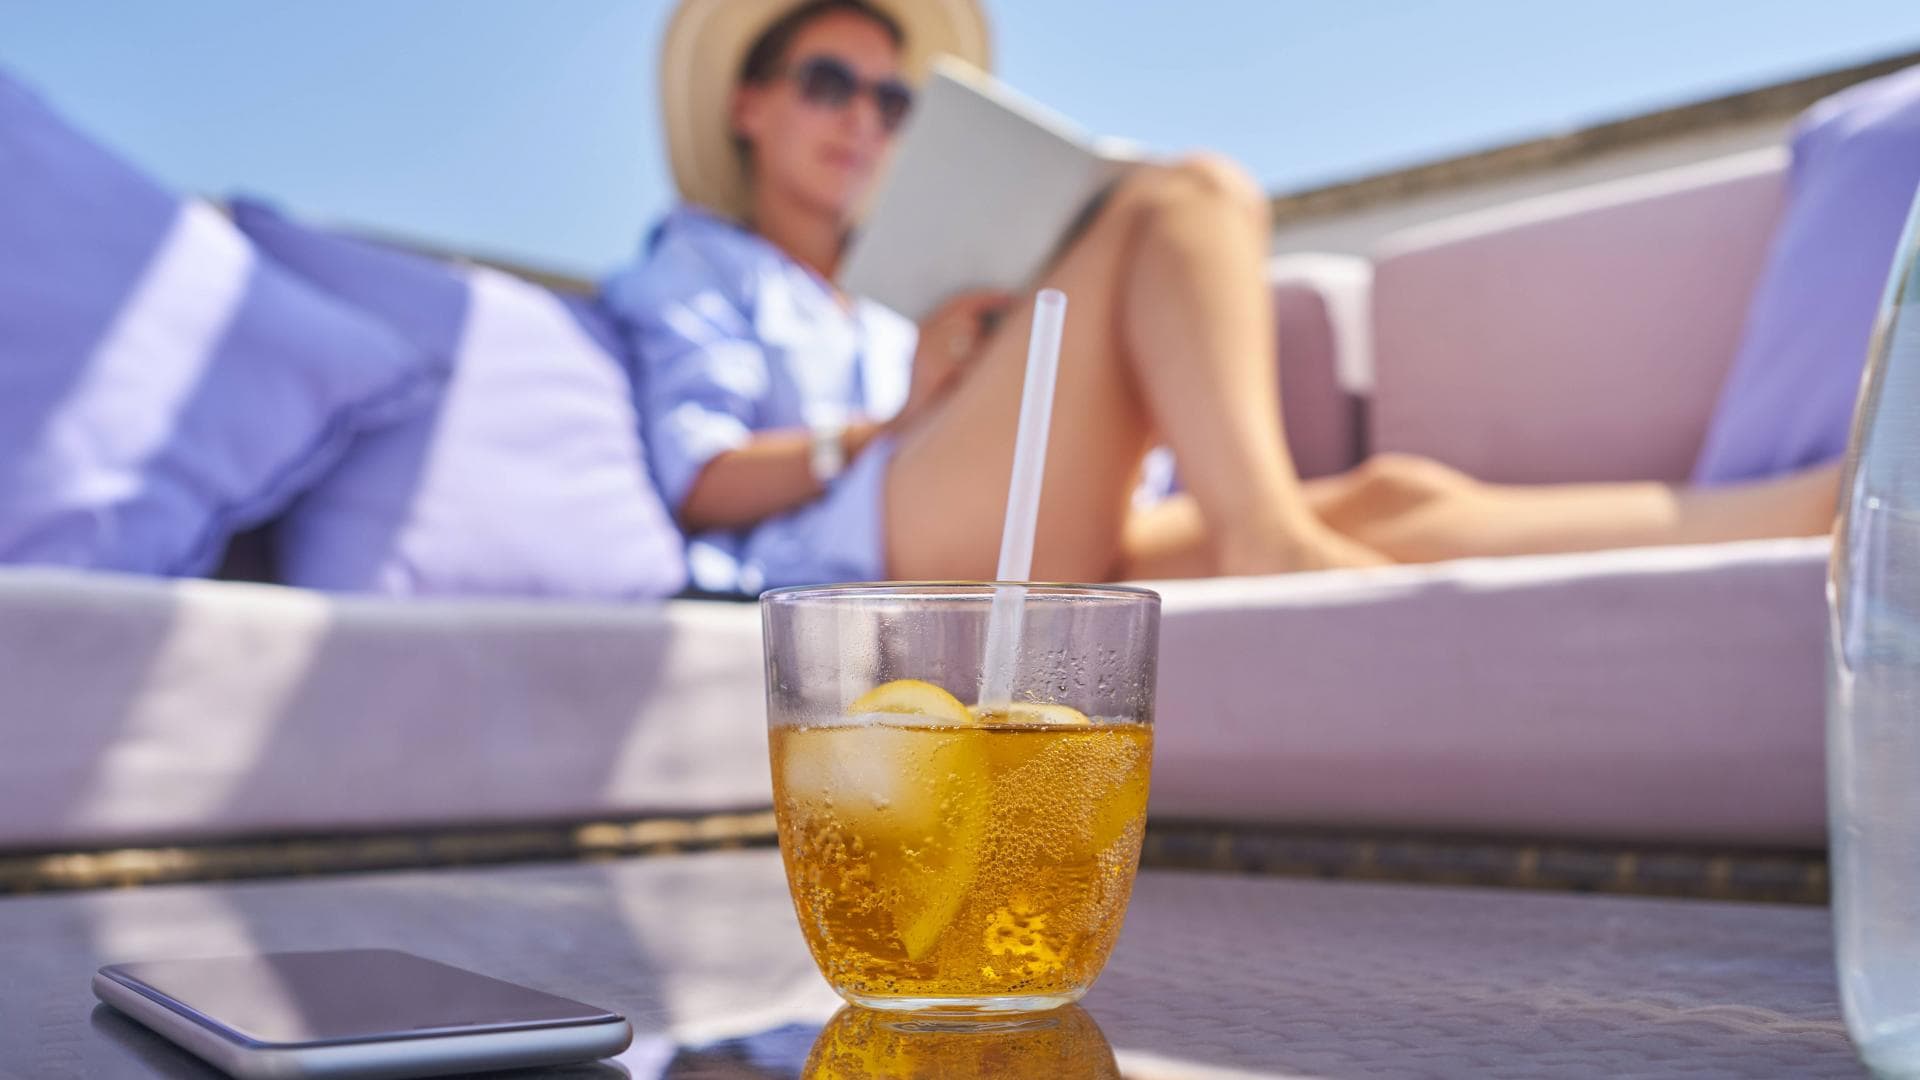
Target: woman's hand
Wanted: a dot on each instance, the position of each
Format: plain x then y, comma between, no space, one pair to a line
949,338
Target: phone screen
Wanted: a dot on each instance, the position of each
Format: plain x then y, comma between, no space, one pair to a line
351,995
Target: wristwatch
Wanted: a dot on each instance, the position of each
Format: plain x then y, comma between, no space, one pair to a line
827,451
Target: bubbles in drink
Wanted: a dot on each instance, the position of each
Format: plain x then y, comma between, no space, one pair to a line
961,854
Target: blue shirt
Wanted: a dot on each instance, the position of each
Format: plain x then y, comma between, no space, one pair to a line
730,336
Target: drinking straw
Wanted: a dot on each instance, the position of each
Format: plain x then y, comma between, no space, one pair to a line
1023,500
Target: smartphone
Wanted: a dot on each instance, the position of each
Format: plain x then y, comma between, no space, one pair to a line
361,1013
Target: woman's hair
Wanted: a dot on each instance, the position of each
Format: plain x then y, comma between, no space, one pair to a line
769,50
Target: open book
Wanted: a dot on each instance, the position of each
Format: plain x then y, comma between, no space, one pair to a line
986,188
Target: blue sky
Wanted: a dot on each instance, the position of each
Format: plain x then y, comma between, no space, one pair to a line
526,127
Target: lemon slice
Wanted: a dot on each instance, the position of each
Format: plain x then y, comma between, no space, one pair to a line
911,697
1027,712
919,796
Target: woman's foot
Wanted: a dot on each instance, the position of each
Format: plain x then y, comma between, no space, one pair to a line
1305,545
1406,507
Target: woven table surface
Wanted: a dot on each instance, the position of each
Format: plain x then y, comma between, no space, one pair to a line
1216,975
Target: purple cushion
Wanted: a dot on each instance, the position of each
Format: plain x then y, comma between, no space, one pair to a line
529,479
160,386
1790,396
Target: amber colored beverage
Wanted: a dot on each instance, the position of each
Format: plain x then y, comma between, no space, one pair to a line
933,861
949,856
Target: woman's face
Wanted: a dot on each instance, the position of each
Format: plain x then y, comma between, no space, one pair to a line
820,155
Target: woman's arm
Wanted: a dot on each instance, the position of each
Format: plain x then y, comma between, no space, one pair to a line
769,475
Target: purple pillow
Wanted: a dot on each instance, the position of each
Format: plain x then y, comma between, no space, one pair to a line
528,479
160,386
1789,397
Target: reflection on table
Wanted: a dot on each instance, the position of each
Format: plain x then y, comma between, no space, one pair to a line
861,1044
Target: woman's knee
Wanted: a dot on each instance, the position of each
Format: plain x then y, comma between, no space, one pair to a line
1209,178
1218,177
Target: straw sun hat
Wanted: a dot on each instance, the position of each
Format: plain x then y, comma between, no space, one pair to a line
700,60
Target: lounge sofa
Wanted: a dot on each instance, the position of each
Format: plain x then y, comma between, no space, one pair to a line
1667,695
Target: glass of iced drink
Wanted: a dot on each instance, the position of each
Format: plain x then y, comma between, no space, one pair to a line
946,856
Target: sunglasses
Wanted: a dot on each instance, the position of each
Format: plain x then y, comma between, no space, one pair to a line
830,83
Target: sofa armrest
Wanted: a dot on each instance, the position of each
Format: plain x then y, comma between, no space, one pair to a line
140,710
1577,336
1320,307
1667,694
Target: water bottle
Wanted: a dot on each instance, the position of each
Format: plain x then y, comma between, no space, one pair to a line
1873,691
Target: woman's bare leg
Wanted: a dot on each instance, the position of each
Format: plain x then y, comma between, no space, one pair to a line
1415,510
1169,539
1419,511
1169,330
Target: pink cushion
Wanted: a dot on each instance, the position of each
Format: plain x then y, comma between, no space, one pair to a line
1320,305
1670,694
1578,336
